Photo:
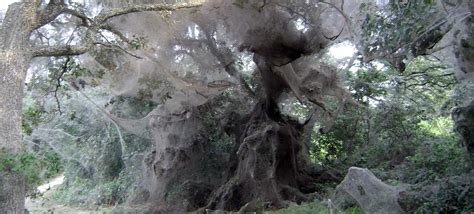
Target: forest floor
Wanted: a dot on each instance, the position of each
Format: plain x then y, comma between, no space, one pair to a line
44,204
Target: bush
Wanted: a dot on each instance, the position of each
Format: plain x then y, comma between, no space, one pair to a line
37,166
448,195
440,158
439,155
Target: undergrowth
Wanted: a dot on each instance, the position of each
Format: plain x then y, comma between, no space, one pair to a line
36,166
87,192
315,207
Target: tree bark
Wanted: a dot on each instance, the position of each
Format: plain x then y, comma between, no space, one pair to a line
14,59
12,192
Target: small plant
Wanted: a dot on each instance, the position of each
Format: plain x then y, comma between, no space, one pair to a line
138,42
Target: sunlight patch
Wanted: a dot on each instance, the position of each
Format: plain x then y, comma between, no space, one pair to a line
342,50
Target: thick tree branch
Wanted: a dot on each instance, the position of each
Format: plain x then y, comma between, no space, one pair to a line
50,13
66,50
57,7
105,16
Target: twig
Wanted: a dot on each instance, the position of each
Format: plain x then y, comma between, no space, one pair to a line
117,47
58,82
111,45
348,20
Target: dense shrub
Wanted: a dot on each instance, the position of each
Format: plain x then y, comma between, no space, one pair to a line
447,195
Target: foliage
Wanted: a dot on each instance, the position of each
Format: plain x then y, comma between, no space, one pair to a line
138,42
436,160
37,166
325,147
447,195
31,116
368,82
82,191
440,155
439,126
341,141
398,30
219,144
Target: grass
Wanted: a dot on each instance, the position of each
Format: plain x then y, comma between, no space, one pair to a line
315,207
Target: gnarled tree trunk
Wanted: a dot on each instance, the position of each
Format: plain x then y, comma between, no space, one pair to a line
463,115
269,169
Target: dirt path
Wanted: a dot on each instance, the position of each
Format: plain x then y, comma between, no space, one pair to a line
44,204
